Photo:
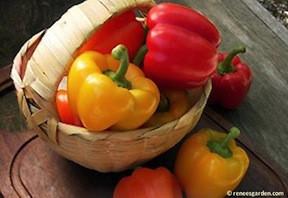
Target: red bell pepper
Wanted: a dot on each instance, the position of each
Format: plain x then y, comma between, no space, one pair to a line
188,18
231,81
182,46
148,183
123,29
64,111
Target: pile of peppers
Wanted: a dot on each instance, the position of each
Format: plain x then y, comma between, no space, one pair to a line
175,49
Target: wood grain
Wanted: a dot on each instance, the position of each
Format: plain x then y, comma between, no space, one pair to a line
264,15
28,161
10,144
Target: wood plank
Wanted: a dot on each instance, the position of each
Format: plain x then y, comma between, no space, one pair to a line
10,145
272,23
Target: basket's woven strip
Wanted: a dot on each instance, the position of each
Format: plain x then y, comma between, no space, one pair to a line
42,103
33,119
34,116
52,130
22,58
38,118
96,136
24,106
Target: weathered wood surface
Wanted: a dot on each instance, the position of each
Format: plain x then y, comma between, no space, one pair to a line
264,114
31,169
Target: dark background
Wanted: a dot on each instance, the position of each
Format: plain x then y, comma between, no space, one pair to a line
20,19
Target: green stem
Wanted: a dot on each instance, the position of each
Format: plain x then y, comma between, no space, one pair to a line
233,133
221,147
120,53
226,66
140,55
164,104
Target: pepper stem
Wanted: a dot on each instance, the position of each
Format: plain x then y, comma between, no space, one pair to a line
226,66
140,55
233,133
221,147
120,53
164,104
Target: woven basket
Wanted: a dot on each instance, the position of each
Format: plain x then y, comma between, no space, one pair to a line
38,69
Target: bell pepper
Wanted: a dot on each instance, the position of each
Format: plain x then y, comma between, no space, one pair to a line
122,29
173,104
148,183
231,81
106,93
63,108
209,164
181,45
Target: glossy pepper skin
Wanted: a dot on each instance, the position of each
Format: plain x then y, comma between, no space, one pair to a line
106,93
122,29
209,164
181,45
148,183
64,110
231,81
173,104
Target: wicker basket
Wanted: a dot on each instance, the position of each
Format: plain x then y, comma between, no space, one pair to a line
40,65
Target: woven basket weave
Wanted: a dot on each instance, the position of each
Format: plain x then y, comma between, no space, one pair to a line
38,69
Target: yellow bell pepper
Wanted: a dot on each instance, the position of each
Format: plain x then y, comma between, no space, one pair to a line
209,164
106,91
173,104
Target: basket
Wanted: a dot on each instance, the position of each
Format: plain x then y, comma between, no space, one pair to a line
37,71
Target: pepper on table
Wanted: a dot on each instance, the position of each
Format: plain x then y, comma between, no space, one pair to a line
105,92
181,46
148,183
231,81
209,164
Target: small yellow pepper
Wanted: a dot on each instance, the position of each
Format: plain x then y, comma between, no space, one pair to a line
173,104
209,164
106,93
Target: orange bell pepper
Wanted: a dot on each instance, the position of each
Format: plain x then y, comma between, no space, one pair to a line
173,104
106,93
210,163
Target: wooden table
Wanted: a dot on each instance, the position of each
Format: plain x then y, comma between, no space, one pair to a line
264,114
